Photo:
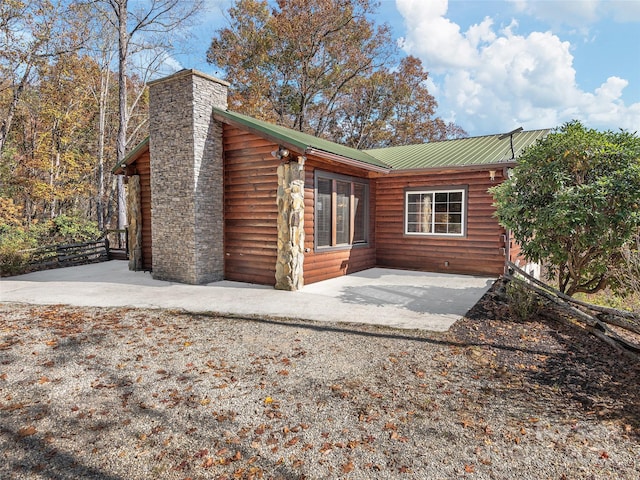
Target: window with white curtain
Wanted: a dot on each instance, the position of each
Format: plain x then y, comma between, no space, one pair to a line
435,212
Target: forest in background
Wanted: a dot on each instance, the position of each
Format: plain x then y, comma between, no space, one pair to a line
73,101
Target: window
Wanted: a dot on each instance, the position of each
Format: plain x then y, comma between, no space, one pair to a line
341,211
436,212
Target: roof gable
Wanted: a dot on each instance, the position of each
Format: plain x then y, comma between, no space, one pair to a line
303,142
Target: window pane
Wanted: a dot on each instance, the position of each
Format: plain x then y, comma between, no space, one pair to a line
442,197
455,207
323,213
455,218
343,198
359,223
455,197
455,228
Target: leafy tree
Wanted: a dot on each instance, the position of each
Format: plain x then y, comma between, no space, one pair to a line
50,164
390,107
323,67
573,203
32,33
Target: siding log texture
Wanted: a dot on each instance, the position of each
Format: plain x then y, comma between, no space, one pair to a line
250,208
320,266
480,252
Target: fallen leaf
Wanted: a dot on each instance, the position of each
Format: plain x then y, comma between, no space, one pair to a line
202,453
27,431
292,442
268,401
469,468
347,467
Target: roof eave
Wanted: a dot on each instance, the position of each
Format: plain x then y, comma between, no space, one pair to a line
274,137
345,160
476,166
131,157
291,144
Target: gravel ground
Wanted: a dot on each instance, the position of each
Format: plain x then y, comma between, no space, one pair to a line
144,394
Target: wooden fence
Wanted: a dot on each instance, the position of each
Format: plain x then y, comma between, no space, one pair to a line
67,255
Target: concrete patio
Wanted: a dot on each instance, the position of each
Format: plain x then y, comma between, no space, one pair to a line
385,297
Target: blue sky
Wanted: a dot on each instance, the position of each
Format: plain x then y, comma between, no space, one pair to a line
498,65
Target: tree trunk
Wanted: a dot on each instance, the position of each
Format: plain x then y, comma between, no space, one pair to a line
121,142
102,105
5,126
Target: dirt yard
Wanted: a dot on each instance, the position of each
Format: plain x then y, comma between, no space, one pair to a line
139,394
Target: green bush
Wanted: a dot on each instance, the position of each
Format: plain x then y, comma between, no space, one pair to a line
523,303
13,242
16,241
72,229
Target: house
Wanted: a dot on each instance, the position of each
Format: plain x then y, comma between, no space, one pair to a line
217,195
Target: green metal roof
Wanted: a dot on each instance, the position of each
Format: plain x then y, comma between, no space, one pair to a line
131,156
463,152
300,141
458,153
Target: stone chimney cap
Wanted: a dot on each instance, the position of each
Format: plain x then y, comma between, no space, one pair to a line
186,72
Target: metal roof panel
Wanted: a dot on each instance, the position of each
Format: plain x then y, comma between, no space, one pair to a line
461,152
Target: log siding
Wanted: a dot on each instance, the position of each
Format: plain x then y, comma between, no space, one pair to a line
334,262
481,251
250,208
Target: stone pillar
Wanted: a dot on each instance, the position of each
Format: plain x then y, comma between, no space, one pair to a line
134,215
290,198
187,181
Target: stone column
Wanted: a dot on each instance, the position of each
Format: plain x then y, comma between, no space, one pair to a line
134,215
187,182
290,198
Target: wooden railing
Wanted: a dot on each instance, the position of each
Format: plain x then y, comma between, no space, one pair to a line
67,255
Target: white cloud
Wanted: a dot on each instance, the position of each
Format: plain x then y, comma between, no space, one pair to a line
579,13
574,13
495,81
623,10
439,39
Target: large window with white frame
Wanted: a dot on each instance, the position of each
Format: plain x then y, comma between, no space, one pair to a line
435,212
341,211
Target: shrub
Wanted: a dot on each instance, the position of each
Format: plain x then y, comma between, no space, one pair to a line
71,229
523,303
13,242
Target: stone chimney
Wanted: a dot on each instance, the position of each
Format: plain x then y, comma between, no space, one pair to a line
187,181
